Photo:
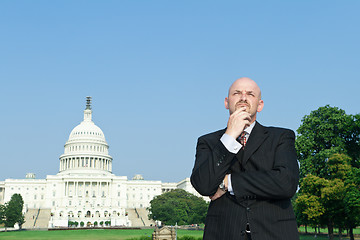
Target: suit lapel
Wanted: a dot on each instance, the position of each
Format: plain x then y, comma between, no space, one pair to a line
257,137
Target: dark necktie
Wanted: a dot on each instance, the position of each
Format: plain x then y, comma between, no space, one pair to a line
242,138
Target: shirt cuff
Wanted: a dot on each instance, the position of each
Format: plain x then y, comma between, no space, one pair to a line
229,186
230,143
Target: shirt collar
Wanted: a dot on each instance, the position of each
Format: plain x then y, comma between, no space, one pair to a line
250,128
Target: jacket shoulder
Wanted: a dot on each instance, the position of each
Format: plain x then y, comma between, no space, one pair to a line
213,135
279,130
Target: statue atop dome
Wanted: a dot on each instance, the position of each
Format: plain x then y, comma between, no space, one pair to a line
88,111
88,102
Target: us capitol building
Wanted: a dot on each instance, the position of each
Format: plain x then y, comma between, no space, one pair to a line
85,189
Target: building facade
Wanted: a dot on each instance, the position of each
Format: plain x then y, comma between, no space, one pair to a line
85,189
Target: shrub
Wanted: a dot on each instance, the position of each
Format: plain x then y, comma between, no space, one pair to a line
82,223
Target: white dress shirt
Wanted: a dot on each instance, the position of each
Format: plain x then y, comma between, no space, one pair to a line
234,146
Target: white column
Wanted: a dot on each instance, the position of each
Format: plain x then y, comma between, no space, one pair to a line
98,189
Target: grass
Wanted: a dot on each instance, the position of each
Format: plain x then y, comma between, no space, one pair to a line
91,234
324,230
109,234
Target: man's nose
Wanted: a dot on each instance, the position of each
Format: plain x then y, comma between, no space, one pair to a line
243,96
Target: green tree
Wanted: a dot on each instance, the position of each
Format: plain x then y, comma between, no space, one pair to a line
328,151
352,200
334,201
324,132
2,214
178,206
13,211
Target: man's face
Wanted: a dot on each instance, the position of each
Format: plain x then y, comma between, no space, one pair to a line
244,93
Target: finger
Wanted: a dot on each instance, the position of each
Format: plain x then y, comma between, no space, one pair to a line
240,110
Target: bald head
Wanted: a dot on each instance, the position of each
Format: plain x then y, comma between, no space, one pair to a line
248,82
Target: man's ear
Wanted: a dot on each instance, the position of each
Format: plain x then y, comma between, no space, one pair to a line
226,102
260,106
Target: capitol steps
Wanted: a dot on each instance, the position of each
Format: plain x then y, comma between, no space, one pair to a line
144,215
139,217
30,217
43,218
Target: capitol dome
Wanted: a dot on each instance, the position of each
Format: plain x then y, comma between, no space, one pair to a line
86,150
87,130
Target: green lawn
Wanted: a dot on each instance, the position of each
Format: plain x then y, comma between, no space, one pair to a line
324,230
103,234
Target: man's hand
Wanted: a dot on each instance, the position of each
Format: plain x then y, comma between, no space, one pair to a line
220,191
238,121
217,195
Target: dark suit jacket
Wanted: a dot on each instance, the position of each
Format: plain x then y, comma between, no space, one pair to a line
264,177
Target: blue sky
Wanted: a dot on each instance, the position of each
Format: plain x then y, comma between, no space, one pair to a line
158,72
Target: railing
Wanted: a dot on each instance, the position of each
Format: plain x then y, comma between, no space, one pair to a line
142,220
37,215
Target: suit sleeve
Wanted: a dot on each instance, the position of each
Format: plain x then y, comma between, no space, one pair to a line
278,182
212,162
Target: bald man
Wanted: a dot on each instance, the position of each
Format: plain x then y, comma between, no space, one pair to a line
250,172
